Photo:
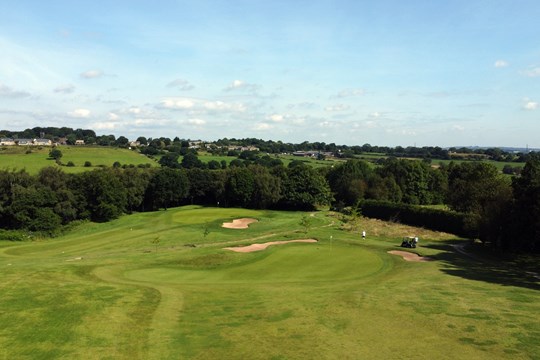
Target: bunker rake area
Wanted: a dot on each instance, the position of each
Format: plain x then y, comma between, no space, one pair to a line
162,285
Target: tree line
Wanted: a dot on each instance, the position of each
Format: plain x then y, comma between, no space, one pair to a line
162,145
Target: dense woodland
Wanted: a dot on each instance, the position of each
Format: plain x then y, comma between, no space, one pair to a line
500,210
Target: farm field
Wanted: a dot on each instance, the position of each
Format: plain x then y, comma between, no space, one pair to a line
17,158
161,286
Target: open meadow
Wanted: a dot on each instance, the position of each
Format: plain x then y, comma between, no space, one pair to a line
162,285
33,159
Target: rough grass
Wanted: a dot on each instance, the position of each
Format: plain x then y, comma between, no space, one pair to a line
108,291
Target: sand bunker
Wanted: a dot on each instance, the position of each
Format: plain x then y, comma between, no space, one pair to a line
259,247
408,256
239,223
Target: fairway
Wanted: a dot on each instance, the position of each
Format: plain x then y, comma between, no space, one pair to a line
162,285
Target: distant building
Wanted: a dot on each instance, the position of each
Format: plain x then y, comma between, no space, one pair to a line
79,142
7,142
24,142
42,142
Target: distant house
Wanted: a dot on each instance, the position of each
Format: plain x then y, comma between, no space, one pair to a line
42,142
7,142
135,143
79,142
24,142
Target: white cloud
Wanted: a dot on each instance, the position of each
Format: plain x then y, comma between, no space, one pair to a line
92,74
262,127
104,126
276,117
196,122
349,93
501,64
370,124
327,124
113,116
458,128
337,107
178,104
530,105
79,113
134,110
533,72
223,106
181,84
242,86
7,92
375,114
202,106
65,89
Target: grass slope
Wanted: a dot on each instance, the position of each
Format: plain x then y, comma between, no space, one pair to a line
111,291
16,158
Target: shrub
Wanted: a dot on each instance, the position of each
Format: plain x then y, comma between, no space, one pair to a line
70,164
87,164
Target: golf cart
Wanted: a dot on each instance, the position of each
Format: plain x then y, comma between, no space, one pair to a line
409,241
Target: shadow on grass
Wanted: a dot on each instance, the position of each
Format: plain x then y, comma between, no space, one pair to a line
465,261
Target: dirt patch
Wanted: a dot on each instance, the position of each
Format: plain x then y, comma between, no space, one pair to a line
259,247
239,223
408,256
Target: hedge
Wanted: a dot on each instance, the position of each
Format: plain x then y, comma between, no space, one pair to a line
460,224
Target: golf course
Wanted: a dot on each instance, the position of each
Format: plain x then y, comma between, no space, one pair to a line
170,285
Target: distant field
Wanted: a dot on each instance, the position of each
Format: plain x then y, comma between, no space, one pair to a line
498,164
17,158
161,286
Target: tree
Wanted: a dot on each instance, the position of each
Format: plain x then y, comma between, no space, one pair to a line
472,185
170,160
167,187
267,188
304,189
104,194
142,140
155,241
348,181
524,231
239,186
190,161
55,154
122,141
305,223
205,187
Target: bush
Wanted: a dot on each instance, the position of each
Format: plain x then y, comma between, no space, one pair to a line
70,164
87,164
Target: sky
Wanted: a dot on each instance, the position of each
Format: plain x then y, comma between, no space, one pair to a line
381,72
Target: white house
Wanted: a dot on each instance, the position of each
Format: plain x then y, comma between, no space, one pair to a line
7,142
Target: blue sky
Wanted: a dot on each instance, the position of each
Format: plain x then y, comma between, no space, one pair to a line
424,73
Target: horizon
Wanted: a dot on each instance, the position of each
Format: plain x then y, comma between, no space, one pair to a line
526,147
386,73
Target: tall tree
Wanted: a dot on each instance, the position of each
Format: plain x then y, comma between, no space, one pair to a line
167,187
525,232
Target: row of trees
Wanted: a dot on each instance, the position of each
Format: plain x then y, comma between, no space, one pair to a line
54,198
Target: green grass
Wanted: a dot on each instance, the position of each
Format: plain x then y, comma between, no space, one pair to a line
106,291
15,157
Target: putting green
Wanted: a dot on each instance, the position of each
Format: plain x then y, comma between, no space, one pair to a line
308,262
